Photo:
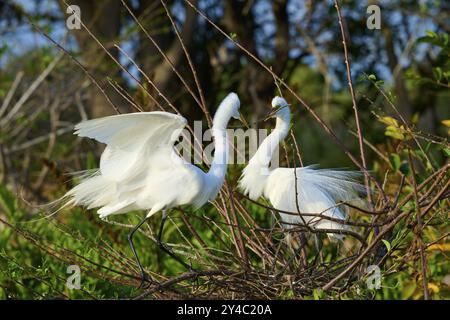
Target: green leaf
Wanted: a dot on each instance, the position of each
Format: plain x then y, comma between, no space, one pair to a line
446,152
408,290
394,133
431,34
395,161
445,39
425,40
318,294
437,73
387,244
389,121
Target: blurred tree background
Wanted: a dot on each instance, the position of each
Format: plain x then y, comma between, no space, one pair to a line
44,92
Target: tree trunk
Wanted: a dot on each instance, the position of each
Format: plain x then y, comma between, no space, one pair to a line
103,20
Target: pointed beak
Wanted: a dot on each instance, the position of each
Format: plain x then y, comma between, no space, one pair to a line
273,112
243,120
270,115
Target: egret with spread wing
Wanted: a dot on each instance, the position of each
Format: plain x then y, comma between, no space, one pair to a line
140,169
294,190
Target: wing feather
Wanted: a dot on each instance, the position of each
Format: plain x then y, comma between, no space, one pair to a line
139,168
104,129
130,138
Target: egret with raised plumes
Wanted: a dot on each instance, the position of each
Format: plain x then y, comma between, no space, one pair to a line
299,190
140,169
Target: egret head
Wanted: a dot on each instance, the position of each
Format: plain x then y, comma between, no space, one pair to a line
234,105
280,109
228,108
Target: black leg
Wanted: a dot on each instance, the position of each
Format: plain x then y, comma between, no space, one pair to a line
165,248
144,277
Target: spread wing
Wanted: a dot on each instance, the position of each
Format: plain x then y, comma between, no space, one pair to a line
131,139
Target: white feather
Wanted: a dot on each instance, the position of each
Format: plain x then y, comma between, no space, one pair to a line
140,169
305,190
317,192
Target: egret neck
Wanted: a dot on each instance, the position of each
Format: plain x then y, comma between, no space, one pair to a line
219,164
216,174
265,151
255,175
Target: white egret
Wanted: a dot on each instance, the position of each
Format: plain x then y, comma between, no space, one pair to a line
304,189
140,170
